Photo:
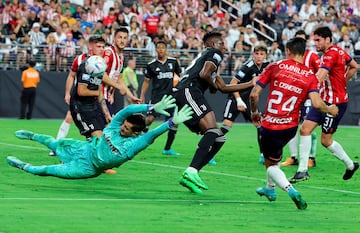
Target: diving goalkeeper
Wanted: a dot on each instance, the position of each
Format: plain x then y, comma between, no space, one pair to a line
120,141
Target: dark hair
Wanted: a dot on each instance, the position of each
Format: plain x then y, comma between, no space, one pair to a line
161,42
96,39
32,63
301,32
323,32
121,29
296,46
138,121
211,35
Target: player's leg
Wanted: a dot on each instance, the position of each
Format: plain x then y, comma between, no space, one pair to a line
64,128
293,148
312,161
229,115
46,140
329,127
170,139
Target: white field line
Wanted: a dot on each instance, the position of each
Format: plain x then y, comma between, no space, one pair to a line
203,171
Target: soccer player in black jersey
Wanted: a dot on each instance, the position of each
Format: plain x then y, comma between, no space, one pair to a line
239,101
160,72
200,75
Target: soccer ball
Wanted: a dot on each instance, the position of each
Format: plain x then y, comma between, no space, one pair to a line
95,65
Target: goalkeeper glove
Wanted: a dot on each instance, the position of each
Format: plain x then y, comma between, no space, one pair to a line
181,116
166,102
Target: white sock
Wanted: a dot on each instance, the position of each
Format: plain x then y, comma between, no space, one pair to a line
270,182
305,147
293,146
336,149
192,169
278,176
63,130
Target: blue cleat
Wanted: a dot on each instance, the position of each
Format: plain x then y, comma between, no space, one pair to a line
15,162
212,162
170,152
296,197
261,159
24,134
270,194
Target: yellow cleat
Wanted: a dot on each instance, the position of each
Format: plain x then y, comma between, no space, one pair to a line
290,162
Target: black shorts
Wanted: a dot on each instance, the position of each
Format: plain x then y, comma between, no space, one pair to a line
273,141
194,97
231,112
88,121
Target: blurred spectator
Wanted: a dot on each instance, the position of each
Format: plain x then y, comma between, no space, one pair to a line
50,51
134,41
354,32
233,34
95,14
249,33
291,8
8,47
288,32
67,6
78,12
99,28
127,14
84,22
59,34
238,54
120,22
274,53
309,24
77,35
36,7
346,44
110,18
22,28
357,47
67,52
307,9
67,17
37,38
130,79
23,51
151,20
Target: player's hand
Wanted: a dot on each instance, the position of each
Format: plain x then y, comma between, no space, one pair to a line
166,102
256,118
241,106
67,99
333,110
183,115
135,100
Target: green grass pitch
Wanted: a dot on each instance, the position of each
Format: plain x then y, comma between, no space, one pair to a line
144,195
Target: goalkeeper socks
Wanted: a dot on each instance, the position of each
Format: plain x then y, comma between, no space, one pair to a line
336,149
204,146
305,146
293,146
170,138
63,130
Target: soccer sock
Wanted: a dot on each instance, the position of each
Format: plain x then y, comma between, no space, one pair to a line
336,149
219,142
279,178
192,169
63,130
293,146
46,140
270,182
170,138
313,145
258,139
225,129
305,145
201,153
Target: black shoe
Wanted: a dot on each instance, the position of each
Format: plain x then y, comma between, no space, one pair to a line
349,173
299,176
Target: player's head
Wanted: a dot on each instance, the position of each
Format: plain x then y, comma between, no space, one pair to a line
302,34
96,45
161,49
213,39
259,54
133,125
295,47
322,38
121,36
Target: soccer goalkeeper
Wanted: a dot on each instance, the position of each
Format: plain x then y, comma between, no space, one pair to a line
120,141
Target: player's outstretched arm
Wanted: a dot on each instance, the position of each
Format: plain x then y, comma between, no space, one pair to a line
320,105
166,102
227,88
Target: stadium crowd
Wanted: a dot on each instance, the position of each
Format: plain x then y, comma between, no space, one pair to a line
55,30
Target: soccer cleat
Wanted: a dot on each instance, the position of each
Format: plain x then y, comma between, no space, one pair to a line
212,162
290,162
15,162
296,197
261,159
349,173
311,162
170,152
110,172
52,153
24,134
189,185
270,194
299,176
194,178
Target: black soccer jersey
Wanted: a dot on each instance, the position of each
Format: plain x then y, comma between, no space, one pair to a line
247,72
191,76
93,83
161,75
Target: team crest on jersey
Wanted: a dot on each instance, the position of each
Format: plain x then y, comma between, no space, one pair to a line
170,66
217,57
157,69
108,52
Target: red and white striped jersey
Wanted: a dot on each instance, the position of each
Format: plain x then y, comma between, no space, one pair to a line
115,64
312,60
77,61
333,89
